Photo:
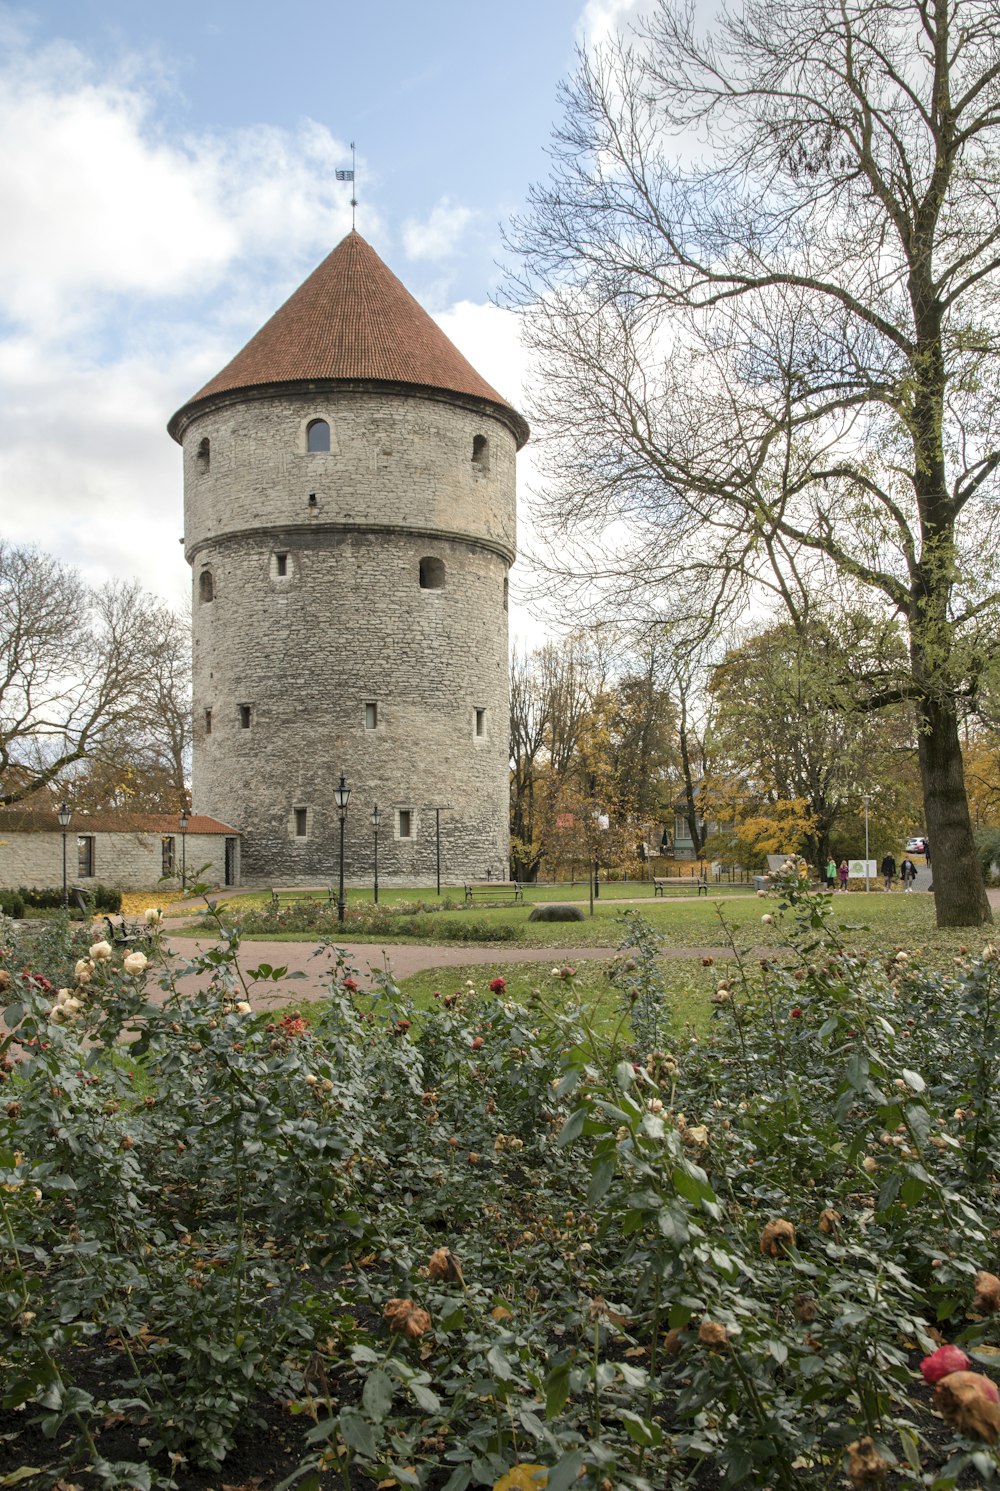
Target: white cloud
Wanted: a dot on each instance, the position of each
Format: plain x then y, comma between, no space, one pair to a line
96,202
600,20
437,237
133,265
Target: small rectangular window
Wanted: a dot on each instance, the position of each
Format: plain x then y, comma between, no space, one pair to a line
281,565
167,858
404,823
244,716
300,823
85,856
208,722
480,722
371,716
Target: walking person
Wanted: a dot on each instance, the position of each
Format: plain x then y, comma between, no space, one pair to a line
831,873
888,870
908,873
844,874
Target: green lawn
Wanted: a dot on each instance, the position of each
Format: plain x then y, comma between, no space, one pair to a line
873,922
688,987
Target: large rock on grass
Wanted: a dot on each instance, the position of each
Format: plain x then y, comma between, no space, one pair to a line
556,914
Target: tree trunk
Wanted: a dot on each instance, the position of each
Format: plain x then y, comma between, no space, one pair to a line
959,895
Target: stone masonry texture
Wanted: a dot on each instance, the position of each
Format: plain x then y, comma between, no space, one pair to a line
300,654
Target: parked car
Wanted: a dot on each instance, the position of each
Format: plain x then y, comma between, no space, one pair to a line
916,846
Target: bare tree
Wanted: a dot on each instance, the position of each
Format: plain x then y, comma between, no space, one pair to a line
84,675
777,366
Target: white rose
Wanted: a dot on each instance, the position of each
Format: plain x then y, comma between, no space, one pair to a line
71,1006
84,968
243,1008
101,952
767,919
135,963
154,916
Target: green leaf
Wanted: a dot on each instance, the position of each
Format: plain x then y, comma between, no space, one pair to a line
779,1351
624,1075
919,1121
23,1474
377,1395
641,1431
856,1071
556,1390
424,1398
601,1177
459,1479
12,1015
914,1080
498,1361
573,1127
357,1432
565,1474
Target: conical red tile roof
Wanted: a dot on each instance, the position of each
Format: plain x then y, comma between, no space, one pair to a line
352,319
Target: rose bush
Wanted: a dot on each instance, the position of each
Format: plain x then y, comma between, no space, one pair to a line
460,1246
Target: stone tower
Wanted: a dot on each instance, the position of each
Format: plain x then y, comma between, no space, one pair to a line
349,517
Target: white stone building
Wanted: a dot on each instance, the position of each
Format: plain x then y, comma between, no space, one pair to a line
126,851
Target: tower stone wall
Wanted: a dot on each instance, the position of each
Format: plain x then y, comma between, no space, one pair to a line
348,626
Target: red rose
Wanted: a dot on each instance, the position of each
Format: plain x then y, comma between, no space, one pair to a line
478,1043
351,985
498,985
795,1014
946,1359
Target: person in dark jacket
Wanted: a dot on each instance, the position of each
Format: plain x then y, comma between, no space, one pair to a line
908,873
888,871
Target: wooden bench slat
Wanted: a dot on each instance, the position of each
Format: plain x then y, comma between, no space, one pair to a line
494,888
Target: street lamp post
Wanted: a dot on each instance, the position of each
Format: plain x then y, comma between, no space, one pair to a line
341,796
867,877
376,820
185,820
64,817
437,845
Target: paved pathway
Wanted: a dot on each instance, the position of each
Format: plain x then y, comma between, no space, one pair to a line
403,959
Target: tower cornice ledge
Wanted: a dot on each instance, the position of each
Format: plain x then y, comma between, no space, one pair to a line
279,532
185,417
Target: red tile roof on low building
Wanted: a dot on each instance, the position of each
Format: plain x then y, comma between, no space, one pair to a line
352,320
39,820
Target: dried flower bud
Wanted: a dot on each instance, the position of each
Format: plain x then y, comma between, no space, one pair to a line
777,1238
969,1403
865,1466
407,1319
444,1265
986,1300
711,1333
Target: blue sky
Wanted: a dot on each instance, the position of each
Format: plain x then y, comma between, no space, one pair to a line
166,180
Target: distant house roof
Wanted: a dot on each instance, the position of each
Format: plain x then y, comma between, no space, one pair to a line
351,320
38,820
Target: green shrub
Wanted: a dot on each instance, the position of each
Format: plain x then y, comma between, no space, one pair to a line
12,903
484,1238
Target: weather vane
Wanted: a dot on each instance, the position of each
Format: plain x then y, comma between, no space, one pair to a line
345,175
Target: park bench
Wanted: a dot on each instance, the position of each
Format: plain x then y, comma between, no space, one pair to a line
124,933
294,896
678,882
493,889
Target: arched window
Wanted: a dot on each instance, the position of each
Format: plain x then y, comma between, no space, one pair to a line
206,586
317,435
480,450
203,455
431,573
